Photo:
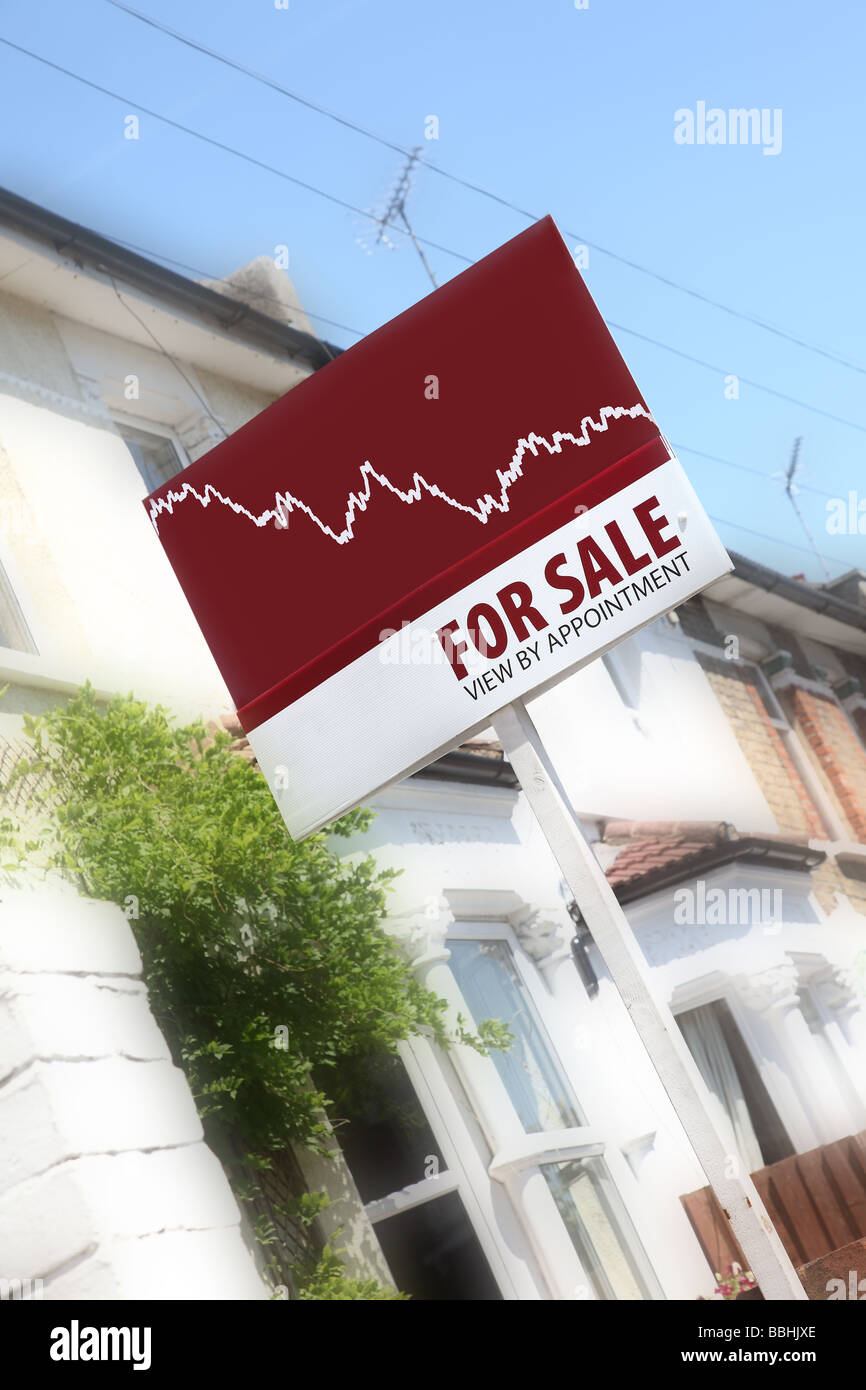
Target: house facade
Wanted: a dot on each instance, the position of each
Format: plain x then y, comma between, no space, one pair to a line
716,762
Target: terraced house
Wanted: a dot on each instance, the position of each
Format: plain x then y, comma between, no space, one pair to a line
716,761
729,823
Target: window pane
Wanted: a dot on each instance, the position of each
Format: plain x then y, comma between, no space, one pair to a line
381,1128
433,1252
14,632
599,1226
530,1070
155,456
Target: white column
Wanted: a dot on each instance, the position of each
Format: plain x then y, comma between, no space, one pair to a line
772,995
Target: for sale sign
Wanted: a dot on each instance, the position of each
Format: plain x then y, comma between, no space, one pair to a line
467,505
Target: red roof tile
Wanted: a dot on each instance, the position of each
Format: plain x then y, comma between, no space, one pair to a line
641,857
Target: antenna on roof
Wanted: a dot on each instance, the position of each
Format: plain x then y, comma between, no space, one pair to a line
396,209
791,489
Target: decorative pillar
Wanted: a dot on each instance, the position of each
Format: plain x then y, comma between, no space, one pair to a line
773,995
545,936
420,934
839,993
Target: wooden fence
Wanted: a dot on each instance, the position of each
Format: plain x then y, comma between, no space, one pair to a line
816,1201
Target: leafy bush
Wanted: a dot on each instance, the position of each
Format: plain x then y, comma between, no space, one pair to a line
263,957
326,1280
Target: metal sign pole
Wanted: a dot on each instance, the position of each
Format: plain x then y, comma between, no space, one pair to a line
655,1024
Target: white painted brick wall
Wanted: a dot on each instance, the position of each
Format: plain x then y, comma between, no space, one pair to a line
107,1189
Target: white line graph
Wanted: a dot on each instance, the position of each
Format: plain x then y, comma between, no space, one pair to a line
285,502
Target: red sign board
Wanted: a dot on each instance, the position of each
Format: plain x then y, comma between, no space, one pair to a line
369,558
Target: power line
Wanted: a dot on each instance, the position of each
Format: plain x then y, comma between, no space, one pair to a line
721,521
447,250
165,352
777,540
726,308
227,149
757,385
745,468
344,121
360,333
458,255
620,328
261,77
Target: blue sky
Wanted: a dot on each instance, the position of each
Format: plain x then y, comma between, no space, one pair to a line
556,109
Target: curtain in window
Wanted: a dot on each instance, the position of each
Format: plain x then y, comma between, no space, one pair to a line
702,1031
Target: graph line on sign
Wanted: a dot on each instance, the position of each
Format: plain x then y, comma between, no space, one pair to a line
285,503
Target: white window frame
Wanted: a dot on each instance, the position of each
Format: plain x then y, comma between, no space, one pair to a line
437,1104
120,418
21,598
516,1162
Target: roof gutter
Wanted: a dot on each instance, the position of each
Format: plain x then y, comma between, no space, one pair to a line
473,768
96,252
759,852
816,599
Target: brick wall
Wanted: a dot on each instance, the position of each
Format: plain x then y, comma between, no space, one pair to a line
825,727
831,878
781,784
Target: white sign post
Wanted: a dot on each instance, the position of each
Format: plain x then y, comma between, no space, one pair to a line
655,1023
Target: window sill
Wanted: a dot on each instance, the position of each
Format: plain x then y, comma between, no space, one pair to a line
841,850
413,1196
37,670
553,1146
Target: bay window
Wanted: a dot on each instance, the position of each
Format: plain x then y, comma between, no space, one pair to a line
565,1153
482,1173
